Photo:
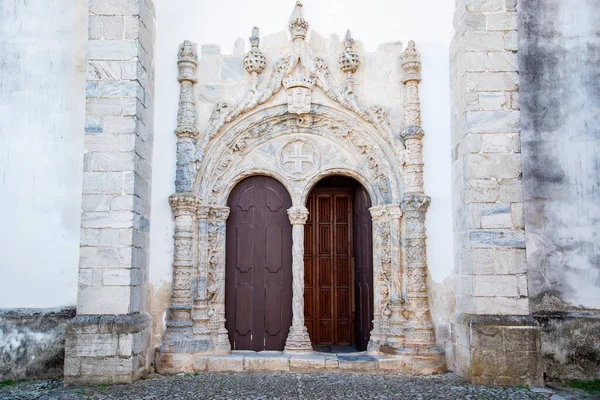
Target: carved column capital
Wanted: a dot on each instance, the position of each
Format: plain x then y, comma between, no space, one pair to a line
219,214
298,215
378,213
203,212
394,211
182,203
415,202
412,132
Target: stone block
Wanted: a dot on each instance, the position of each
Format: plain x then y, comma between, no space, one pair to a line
495,286
112,49
117,277
476,61
111,219
103,70
498,143
93,126
492,101
232,69
261,363
483,41
118,89
106,366
230,363
511,41
119,125
108,238
511,191
495,215
501,21
499,61
483,349
112,27
93,345
103,107
131,26
478,191
200,362
496,165
501,306
112,162
121,203
493,121
114,7
307,363
94,27
103,300
497,238
484,5
492,82
518,216
102,183
495,261
96,202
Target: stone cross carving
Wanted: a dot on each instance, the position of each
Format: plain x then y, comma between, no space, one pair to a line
298,158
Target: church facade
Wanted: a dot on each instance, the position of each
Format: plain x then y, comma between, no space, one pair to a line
300,210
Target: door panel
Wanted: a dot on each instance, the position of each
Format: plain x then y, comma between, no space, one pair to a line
328,283
363,267
258,292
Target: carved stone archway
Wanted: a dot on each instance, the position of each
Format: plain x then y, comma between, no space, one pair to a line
298,144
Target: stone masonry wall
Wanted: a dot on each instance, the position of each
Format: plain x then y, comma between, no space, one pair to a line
489,231
108,341
486,153
118,156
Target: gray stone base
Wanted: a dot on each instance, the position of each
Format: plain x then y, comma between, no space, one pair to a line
570,344
33,343
498,349
107,349
277,361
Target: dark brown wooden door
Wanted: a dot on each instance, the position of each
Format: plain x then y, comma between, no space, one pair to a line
258,293
328,309
363,267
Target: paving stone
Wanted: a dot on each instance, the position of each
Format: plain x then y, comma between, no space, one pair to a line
283,386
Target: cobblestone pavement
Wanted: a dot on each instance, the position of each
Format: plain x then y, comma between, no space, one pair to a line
284,386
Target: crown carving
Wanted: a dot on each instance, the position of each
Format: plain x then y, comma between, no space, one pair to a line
298,25
299,81
411,63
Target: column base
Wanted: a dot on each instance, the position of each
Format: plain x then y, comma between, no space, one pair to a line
107,349
298,341
497,349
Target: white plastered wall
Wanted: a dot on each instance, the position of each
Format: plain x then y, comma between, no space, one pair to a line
372,23
42,108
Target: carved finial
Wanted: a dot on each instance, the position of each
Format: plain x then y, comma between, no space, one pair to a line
349,59
255,62
187,61
298,25
411,63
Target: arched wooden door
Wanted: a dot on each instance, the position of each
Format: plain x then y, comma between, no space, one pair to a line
258,288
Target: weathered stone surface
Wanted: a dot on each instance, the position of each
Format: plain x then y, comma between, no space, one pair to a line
32,343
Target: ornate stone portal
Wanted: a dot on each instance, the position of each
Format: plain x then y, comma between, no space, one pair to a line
298,141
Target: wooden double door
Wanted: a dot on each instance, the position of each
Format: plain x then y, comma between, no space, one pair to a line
338,298
258,288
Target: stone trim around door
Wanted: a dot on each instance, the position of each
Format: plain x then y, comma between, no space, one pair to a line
298,144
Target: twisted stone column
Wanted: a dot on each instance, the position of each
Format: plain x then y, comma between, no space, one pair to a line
186,131
179,318
298,340
216,278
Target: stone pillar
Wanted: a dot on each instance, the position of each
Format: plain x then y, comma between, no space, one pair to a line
216,279
186,131
179,316
203,289
108,340
495,340
382,285
298,340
